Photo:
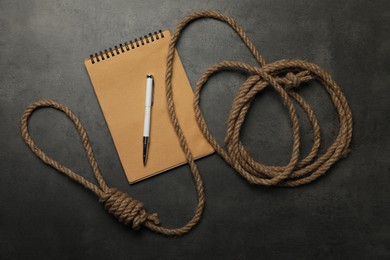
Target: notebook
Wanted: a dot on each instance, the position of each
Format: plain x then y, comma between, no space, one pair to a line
118,76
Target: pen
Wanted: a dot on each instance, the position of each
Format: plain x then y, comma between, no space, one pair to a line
147,117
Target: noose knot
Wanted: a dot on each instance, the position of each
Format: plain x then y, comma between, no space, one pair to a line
126,209
293,80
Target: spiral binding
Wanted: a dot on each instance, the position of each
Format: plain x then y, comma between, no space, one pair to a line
126,46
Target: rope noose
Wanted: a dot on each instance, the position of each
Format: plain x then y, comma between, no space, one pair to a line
283,76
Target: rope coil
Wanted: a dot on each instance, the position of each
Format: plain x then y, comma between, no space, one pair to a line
126,209
283,76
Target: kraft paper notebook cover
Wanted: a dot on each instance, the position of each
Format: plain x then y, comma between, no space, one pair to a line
118,77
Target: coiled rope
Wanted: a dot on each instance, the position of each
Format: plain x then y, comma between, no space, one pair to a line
283,76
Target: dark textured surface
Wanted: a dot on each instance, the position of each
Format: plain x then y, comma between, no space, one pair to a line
344,214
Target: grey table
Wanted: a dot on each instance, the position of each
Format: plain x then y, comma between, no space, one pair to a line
344,214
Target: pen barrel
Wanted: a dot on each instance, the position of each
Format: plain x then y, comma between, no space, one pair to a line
147,121
148,104
149,92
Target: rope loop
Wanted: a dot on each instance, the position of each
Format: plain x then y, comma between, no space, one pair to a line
282,76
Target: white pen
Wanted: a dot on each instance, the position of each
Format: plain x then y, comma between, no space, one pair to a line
147,118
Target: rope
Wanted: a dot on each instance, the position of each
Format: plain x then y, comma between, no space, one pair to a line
283,76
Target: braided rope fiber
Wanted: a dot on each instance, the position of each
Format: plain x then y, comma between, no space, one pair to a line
283,76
